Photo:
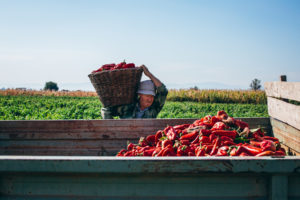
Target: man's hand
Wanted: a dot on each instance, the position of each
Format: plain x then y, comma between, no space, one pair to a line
146,71
156,82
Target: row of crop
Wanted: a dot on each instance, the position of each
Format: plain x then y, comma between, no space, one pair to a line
40,107
193,95
218,96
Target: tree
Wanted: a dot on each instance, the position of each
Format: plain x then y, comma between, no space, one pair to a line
255,84
194,88
51,86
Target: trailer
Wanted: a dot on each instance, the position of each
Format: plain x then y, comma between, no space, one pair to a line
75,159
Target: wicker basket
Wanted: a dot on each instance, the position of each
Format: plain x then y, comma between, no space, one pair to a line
117,87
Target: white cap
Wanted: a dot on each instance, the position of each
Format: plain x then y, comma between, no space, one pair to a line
146,87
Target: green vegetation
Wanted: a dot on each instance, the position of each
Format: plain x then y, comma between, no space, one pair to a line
198,110
24,107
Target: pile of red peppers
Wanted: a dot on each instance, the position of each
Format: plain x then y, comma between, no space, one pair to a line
113,66
218,135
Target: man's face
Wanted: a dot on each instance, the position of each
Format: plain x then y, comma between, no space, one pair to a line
146,100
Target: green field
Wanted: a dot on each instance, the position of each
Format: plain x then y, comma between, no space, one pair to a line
64,107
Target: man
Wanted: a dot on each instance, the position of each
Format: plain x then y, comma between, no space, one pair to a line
151,99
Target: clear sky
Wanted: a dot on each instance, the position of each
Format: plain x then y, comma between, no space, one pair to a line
204,43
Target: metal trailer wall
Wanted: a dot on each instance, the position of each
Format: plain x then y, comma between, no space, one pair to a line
31,165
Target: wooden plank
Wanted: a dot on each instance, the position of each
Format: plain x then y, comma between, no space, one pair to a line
63,147
285,90
286,134
106,135
285,112
61,152
98,129
63,144
87,126
92,125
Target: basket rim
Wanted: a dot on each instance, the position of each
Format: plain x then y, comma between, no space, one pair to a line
116,70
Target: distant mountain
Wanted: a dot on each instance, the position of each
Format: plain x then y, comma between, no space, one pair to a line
206,85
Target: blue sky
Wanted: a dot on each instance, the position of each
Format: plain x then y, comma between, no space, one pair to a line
206,43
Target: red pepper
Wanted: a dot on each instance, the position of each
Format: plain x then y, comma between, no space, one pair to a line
204,139
148,152
200,151
158,135
196,140
185,142
255,143
222,151
238,151
226,138
280,153
212,137
165,143
244,154
219,126
268,145
130,146
189,136
270,138
105,67
208,148
257,137
207,119
282,149
129,65
240,123
251,150
122,152
168,151
183,150
215,148
120,65
191,153
222,115
129,153
228,143
259,132
231,134
232,151
266,153
170,133
214,120
150,139
142,142
156,151
164,150
158,144
205,132
181,127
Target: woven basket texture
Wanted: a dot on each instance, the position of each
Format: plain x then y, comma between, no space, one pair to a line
117,87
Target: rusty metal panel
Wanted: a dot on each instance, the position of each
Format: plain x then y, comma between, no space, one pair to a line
161,165
293,187
135,186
